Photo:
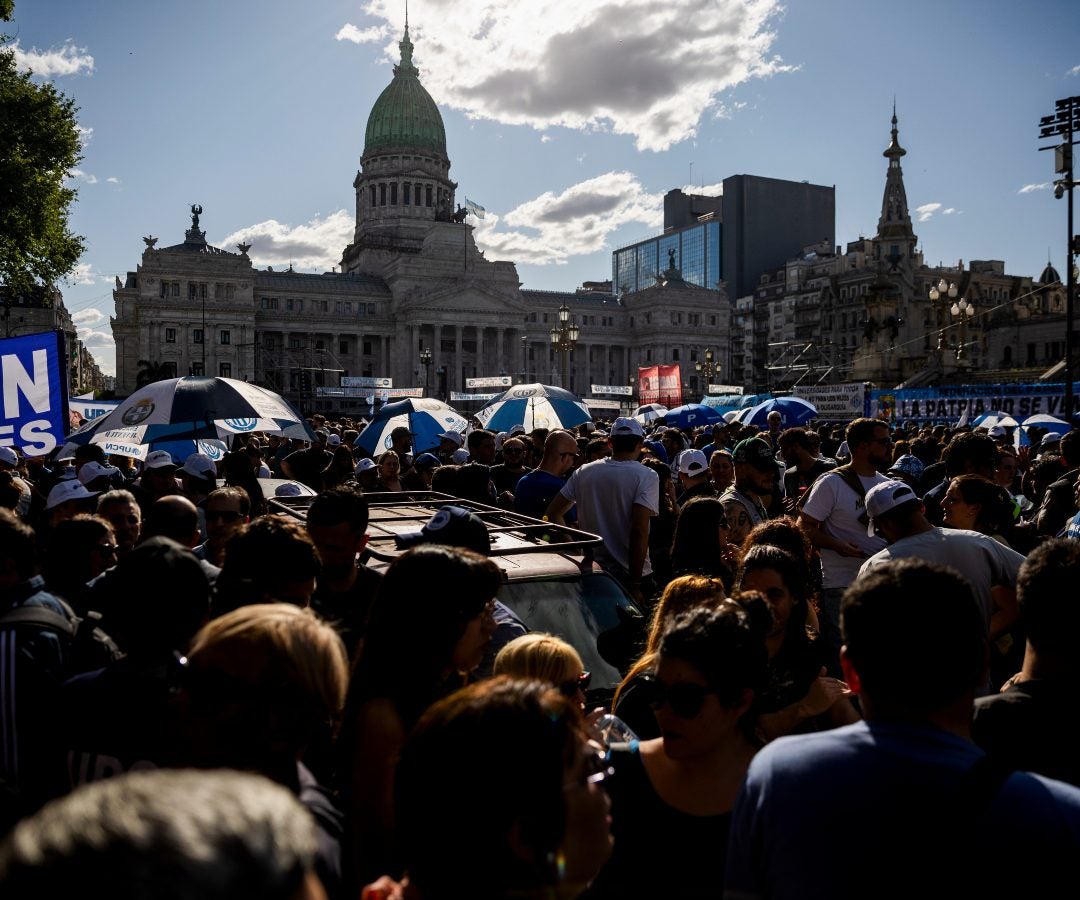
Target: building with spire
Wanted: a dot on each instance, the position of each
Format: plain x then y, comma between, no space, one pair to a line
415,301
864,312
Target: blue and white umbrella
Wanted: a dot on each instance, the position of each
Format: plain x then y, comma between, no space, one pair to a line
995,417
425,417
793,411
650,412
693,415
192,408
533,406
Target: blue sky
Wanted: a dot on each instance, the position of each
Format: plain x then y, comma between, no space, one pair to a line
567,119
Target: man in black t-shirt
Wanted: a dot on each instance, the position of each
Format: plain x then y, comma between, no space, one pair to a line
337,523
803,465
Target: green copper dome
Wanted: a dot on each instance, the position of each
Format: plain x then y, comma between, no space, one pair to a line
405,115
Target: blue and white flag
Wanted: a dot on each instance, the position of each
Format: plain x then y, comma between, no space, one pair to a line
35,415
475,208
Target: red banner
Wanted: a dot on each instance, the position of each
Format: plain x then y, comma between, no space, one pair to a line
660,384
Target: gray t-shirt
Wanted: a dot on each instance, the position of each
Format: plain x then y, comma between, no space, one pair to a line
606,492
979,558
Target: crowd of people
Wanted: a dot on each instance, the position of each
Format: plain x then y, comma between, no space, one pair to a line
853,681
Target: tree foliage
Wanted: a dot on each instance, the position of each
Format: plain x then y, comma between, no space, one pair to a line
39,144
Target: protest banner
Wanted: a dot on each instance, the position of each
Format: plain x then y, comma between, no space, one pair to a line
837,401
35,400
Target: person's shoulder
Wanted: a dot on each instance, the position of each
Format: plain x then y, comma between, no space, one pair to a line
803,751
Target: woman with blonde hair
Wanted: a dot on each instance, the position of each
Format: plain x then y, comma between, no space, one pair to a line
544,657
681,595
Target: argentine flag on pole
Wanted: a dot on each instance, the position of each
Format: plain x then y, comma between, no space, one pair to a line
475,208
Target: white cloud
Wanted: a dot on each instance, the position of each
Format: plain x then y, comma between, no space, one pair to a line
112,179
85,134
82,176
951,211
635,67
545,139
349,32
1031,188
87,318
553,227
927,210
65,60
704,190
1075,70
84,274
314,245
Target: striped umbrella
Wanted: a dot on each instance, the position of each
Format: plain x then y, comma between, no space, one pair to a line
533,406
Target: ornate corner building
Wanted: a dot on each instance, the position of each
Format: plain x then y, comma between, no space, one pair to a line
866,312
411,282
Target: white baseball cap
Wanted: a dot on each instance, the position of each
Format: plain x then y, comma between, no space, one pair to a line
158,459
365,465
693,462
200,466
93,470
886,496
68,490
623,425
456,438
9,456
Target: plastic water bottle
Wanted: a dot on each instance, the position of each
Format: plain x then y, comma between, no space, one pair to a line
613,730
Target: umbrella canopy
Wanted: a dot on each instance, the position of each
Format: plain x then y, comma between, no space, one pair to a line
650,412
793,411
425,417
191,408
533,406
690,415
992,418
1050,423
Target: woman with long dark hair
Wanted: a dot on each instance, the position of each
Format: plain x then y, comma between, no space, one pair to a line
431,621
701,545
798,695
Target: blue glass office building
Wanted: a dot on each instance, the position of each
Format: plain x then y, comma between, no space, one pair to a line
697,256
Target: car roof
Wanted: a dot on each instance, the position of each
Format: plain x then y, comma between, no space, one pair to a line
523,547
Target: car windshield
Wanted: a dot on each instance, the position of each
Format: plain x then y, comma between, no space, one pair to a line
577,608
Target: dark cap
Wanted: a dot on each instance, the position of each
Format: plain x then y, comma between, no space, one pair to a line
451,526
755,452
400,431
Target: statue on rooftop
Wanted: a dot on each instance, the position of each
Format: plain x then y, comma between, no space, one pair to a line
196,211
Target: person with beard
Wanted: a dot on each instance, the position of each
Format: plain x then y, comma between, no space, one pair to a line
834,519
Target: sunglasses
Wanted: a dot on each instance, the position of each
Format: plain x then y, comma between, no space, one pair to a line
107,549
569,689
683,698
222,515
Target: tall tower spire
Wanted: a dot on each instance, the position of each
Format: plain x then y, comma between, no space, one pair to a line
895,238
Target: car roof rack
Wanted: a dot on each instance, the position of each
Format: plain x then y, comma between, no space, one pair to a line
396,512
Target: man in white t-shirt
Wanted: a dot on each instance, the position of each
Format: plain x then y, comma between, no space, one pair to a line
616,496
834,519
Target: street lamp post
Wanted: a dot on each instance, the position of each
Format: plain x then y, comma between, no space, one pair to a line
940,295
524,358
962,313
425,361
1063,125
563,340
707,369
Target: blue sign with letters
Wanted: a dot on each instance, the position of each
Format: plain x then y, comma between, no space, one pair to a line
34,411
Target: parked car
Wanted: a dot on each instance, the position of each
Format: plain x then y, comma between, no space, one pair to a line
552,584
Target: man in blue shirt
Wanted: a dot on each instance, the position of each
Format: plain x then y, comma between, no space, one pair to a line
538,488
902,804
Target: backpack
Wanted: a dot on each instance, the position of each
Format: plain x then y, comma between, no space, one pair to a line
86,646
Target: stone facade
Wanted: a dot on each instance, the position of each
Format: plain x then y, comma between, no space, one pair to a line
864,313
412,279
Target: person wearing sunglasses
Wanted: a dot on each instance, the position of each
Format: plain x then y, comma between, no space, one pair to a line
226,510
546,658
672,796
506,474
79,550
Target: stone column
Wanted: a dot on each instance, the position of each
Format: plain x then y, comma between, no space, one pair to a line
501,368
